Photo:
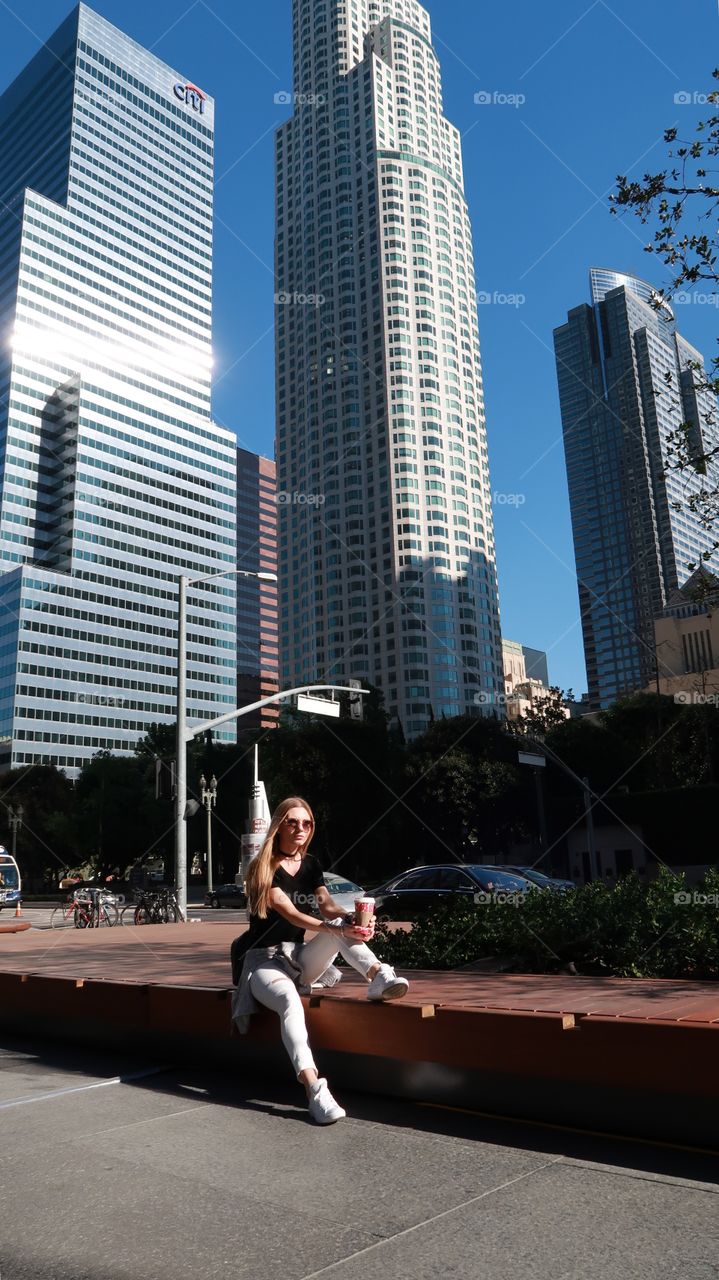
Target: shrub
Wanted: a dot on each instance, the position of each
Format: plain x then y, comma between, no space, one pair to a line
660,930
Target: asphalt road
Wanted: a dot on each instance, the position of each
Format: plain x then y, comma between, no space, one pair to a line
38,915
129,1169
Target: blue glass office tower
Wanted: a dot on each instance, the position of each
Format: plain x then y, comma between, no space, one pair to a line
113,477
634,535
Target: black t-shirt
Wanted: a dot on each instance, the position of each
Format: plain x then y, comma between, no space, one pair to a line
300,889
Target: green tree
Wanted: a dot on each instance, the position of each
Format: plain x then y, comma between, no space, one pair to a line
159,740
672,195
46,841
683,199
548,711
641,743
118,820
466,791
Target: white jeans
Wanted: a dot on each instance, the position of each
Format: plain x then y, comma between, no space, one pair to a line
271,986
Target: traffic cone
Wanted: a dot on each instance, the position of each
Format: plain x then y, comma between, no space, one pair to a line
18,911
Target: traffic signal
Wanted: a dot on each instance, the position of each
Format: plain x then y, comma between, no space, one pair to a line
164,779
356,701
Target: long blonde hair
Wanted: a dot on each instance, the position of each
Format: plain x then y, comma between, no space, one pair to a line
261,870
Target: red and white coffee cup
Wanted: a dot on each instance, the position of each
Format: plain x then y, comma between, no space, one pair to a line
364,912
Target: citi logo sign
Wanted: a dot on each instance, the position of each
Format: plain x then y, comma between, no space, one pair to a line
191,96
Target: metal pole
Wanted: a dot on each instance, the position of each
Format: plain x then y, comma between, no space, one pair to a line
544,842
209,843
181,766
593,860
208,796
265,702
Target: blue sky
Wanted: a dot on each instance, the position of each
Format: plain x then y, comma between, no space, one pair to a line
599,82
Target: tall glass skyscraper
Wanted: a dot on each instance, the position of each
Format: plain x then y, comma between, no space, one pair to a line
113,478
634,535
386,547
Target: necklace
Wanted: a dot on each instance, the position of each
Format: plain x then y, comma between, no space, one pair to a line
291,857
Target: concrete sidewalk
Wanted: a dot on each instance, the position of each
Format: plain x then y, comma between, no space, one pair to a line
114,1169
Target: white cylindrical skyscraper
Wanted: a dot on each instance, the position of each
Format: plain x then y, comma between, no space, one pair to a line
385,546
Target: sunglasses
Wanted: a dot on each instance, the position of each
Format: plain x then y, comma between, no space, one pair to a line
299,824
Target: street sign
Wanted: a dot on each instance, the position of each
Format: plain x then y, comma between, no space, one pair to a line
250,846
537,762
317,706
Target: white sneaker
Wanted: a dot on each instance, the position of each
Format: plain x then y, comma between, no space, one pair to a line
323,1108
331,976
386,985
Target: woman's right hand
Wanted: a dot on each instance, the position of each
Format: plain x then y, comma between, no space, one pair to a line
353,933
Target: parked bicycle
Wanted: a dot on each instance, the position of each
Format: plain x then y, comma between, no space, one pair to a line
155,906
86,909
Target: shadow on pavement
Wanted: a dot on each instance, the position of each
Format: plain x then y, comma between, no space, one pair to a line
277,1095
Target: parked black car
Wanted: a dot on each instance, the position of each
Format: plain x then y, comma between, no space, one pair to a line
414,892
555,883
226,895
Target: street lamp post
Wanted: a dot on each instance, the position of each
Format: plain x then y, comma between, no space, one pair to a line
208,797
15,813
181,762
182,732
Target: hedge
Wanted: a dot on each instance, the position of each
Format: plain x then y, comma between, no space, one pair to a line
660,930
